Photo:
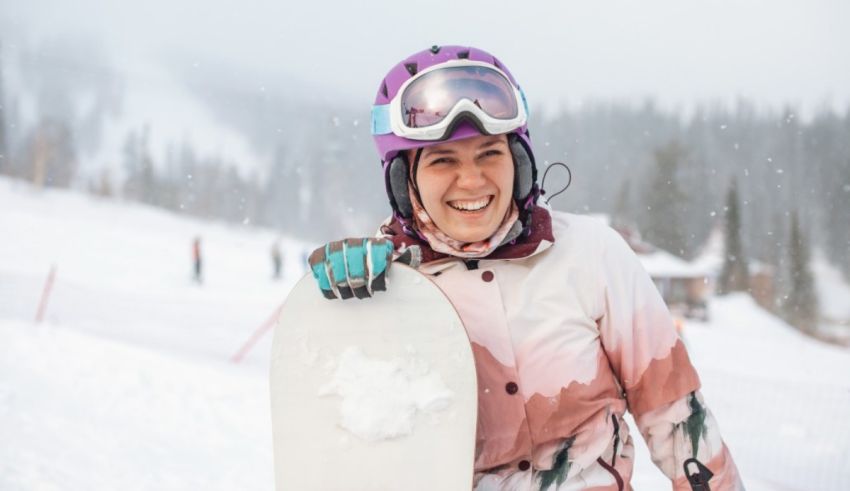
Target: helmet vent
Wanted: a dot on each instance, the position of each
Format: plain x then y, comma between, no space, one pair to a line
463,55
412,68
384,89
435,49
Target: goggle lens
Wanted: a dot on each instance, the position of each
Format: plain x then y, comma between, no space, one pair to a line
430,98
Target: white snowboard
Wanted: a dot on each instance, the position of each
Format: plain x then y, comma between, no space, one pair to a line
375,394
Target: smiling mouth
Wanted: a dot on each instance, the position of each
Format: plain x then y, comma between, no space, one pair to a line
469,206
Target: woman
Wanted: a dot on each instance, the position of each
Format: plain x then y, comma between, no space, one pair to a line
568,330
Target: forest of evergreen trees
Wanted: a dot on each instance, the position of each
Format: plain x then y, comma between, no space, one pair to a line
667,172
671,175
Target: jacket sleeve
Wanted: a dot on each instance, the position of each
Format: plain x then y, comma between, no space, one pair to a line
659,383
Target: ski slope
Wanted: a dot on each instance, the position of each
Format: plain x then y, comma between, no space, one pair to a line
128,384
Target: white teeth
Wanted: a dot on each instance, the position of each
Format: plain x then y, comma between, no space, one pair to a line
470,205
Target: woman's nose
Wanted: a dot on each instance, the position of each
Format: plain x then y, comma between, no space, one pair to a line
470,176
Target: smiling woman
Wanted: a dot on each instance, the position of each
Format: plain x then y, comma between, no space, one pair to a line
567,329
462,192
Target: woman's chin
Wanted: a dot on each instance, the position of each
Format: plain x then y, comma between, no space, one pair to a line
470,234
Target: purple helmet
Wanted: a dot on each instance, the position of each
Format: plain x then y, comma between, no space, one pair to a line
391,147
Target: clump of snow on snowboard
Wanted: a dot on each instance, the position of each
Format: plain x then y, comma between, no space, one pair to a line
380,398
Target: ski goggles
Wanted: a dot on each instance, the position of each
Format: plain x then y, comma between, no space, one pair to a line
429,104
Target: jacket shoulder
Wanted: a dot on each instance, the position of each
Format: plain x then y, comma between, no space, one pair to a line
576,229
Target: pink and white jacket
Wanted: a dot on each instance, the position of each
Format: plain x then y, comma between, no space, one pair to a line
568,332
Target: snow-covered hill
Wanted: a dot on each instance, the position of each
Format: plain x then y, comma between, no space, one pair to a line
128,383
124,271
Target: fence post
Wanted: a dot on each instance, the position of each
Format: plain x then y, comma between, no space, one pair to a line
265,326
45,294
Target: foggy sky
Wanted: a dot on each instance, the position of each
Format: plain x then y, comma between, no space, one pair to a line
676,51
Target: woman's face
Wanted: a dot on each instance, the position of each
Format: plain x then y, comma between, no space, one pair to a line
466,185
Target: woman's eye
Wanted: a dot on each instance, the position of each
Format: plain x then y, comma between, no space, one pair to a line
490,153
440,161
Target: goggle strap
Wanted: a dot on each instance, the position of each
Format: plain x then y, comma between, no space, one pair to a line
524,102
381,120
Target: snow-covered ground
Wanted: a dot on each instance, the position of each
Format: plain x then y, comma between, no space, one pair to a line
128,383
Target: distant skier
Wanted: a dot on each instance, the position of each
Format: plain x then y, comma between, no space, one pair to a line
277,260
568,331
197,262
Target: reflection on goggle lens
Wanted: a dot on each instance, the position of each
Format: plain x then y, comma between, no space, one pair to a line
430,98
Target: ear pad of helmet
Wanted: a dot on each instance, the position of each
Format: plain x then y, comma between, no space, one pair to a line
397,176
523,167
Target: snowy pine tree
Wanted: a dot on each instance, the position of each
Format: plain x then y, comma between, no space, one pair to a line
734,275
801,305
666,202
623,213
138,166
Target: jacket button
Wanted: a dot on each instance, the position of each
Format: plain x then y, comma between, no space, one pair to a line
524,465
511,388
487,276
